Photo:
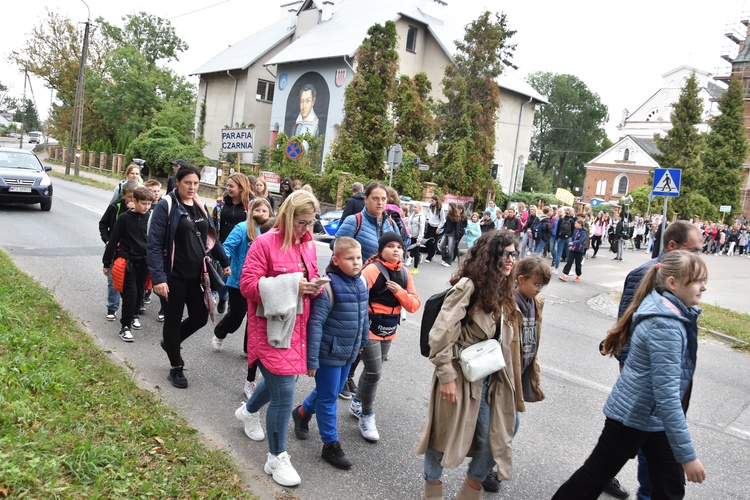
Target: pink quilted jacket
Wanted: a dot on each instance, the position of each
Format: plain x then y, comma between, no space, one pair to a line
265,259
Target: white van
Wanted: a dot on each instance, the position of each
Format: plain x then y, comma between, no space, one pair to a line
36,137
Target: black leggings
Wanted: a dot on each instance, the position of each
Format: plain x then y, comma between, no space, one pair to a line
182,292
233,318
596,242
617,444
415,254
431,237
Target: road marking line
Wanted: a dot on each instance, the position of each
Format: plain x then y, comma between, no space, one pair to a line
87,207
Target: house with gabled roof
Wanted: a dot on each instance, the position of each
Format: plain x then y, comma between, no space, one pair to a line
620,169
291,76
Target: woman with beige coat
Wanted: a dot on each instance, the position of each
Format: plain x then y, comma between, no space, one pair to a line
465,418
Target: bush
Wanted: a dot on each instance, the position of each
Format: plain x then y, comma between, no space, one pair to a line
160,146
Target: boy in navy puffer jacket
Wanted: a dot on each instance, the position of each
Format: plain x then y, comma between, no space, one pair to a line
337,331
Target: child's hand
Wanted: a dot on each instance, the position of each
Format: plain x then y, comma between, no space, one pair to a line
131,204
311,373
393,287
226,271
694,471
106,271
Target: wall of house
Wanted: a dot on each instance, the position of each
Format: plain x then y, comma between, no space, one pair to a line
428,56
506,131
637,176
330,112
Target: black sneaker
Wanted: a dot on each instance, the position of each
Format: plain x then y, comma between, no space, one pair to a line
177,378
491,483
301,427
142,310
125,334
160,316
615,489
147,297
349,390
111,315
334,455
221,308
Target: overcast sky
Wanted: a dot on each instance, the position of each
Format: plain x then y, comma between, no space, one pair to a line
619,51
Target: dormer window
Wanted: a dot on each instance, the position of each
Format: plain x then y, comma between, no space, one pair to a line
411,39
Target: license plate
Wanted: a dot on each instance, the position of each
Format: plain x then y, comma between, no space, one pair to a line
19,189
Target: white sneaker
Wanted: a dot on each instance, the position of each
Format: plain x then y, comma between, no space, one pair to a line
355,408
253,430
136,323
367,427
281,469
249,388
217,343
555,271
445,264
408,262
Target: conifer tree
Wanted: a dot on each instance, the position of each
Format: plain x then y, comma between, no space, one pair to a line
366,130
726,150
412,109
683,146
467,132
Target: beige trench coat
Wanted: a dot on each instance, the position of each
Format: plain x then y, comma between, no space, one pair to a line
449,427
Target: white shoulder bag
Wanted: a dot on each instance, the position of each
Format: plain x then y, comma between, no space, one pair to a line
481,359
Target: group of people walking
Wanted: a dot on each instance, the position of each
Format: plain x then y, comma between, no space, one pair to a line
301,321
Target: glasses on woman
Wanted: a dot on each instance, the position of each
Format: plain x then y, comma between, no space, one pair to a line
305,223
509,255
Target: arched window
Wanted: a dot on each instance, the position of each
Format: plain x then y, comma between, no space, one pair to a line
622,185
626,154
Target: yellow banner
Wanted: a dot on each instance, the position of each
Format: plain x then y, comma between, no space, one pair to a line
565,196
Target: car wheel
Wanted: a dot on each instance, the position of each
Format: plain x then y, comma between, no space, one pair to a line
46,205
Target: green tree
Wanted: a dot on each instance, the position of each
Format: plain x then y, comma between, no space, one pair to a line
27,114
366,129
153,37
569,130
534,179
682,148
726,150
413,111
467,130
159,146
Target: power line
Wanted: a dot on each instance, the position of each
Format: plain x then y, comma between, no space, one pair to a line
198,10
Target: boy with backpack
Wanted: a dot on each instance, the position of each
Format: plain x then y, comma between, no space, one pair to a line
106,224
128,242
337,330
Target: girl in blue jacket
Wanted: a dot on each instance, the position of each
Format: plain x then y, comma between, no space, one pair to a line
576,252
236,246
646,408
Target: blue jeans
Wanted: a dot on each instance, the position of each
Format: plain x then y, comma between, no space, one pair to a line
322,401
539,246
446,249
526,242
278,390
552,245
562,243
113,296
481,463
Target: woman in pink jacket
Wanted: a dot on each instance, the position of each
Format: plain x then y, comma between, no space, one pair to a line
282,260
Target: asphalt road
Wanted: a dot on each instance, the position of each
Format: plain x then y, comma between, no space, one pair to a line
62,249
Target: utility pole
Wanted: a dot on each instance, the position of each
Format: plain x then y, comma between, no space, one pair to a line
77,121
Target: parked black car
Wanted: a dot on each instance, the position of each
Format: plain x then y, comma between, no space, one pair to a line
23,178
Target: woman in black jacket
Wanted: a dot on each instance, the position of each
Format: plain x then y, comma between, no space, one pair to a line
451,231
180,236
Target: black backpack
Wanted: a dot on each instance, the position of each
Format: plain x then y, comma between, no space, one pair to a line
536,229
565,228
430,313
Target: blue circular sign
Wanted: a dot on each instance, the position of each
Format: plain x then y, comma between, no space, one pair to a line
293,150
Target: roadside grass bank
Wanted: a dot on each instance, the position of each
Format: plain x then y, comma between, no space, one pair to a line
74,424
82,180
728,322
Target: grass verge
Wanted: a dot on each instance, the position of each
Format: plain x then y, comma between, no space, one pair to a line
728,322
82,180
74,425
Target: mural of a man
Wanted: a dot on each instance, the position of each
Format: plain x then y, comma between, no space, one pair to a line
307,120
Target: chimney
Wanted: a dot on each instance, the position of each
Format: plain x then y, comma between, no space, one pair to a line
289,10
327,12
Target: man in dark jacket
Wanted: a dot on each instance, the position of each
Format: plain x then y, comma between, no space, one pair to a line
615,237
679,235
355,204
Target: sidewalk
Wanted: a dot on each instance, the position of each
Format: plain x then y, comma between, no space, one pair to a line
208,201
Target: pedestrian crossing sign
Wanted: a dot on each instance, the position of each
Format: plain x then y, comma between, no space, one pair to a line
667,182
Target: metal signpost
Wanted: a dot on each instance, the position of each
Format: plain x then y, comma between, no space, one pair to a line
394,160
666,183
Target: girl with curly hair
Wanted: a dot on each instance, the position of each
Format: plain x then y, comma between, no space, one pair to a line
463,413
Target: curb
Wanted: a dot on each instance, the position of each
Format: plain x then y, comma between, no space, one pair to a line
723,337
